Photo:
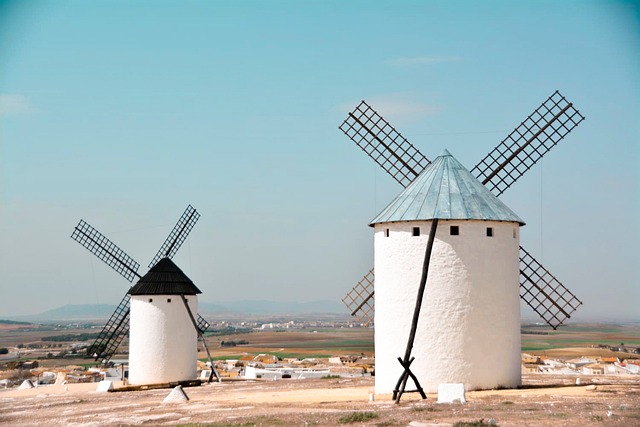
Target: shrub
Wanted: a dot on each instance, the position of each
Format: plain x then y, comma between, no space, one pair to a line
357,417
479,423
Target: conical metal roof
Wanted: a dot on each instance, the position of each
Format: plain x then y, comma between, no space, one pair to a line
164,278
446,190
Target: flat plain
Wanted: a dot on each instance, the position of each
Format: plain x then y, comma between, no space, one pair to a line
543,400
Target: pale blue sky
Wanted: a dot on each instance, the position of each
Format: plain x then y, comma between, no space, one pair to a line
122,113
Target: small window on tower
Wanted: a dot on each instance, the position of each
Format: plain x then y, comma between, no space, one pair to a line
150,299
514,233
168,299
416,231
386,233
489,231
454,230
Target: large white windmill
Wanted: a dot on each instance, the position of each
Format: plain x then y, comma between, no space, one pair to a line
468,330
472,266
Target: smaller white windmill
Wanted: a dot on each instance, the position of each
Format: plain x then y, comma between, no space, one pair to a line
157,311
162,339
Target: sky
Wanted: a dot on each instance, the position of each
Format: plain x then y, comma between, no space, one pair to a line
123,113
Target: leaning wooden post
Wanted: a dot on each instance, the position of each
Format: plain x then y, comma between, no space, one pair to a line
204,343
406,362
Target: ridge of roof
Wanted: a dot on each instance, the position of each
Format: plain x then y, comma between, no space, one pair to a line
446,190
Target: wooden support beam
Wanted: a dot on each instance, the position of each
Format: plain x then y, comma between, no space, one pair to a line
406,362
204,344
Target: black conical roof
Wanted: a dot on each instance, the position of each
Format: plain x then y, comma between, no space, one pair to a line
164,278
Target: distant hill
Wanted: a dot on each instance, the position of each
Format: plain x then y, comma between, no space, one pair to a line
13,322
75,312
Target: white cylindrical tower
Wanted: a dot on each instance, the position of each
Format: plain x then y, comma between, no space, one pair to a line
469,326
162,337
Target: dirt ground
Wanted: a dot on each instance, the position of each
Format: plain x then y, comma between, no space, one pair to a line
544,400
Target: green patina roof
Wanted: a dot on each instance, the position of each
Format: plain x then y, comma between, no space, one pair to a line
164,278
446,190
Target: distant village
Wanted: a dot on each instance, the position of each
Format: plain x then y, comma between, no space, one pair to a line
580,365
20,366
269,367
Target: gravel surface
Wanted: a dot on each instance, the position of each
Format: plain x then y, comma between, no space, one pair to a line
544,400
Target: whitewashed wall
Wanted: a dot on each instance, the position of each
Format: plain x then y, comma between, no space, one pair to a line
469,327
162,339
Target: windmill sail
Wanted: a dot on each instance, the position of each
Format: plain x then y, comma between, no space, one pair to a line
359,300
385,145
106,250
177,236
114,331
523,147
544,293
203,325
513,157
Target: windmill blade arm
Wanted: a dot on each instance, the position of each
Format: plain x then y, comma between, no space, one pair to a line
526,145
385,145
114,331
360,299
549,298
106,250
177,236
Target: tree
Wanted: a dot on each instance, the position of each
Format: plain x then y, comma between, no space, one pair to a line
4,350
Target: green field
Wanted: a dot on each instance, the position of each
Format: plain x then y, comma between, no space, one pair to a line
535,337
326,342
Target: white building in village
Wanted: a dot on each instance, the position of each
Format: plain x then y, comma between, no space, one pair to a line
469,326
162,338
